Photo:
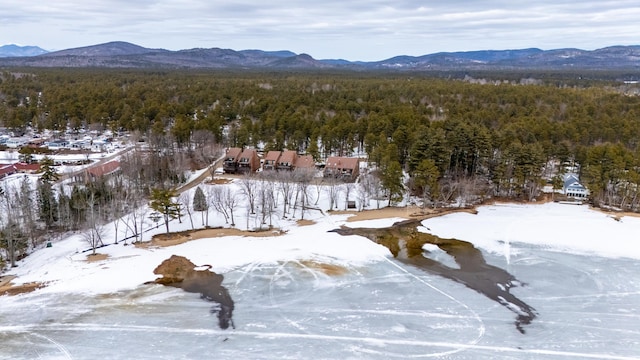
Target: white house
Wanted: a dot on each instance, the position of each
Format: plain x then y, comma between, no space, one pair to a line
15,142
573,188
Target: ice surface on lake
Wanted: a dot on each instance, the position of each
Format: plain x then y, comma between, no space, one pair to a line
579,270
589,307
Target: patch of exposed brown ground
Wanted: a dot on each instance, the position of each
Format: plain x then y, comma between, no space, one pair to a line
305,222
616,215
409,212
96,257
7,288
163,240
218,181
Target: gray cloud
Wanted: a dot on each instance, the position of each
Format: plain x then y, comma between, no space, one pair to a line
356,30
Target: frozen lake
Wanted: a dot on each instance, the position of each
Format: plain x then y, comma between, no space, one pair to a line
587,306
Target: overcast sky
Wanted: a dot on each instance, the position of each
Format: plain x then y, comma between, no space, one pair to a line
349,29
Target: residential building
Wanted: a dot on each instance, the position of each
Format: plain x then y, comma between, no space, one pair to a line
271,160
573,188
286,160
248,161
230,163
343,168
27,168
6,170
304,162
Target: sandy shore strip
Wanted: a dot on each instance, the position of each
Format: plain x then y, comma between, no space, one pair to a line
408,212
163,240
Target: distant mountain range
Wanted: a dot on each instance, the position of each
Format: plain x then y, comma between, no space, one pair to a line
17,51
126,55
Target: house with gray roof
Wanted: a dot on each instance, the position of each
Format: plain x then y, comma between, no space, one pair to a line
573,188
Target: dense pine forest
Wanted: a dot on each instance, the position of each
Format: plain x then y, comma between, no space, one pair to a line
453,135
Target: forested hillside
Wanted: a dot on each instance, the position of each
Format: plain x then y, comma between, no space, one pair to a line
454,137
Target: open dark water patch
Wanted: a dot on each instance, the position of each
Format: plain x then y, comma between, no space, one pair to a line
179,272
406,244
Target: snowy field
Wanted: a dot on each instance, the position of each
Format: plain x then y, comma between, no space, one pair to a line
580,268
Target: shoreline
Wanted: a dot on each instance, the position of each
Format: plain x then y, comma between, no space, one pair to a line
7,287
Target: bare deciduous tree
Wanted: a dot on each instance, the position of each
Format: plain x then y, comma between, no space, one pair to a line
248,186
94,229
224,200
333,191
348,189
266,200
185,201
303,179
215,200
286,187
230,201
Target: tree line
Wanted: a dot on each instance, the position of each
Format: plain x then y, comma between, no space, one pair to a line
442,138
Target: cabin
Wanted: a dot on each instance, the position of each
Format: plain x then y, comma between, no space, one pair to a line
343,168
286,160
271,160
230,162
248,161
573,188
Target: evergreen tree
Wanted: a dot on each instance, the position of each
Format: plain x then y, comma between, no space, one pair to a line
426,179
48,206
200,201
391,174
49,174
162,202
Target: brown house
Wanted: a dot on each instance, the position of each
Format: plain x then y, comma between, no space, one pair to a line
97,171
287,160
271,160
305,162
23,168
248,161
230,162
343,168
27,168
6,170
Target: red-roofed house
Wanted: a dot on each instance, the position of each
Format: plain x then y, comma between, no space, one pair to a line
304,162
27,168
98,171
230,163
342,168
6,170
10,169
271,160
248,161
286,160
104,169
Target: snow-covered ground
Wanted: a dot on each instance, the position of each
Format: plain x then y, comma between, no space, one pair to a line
580,267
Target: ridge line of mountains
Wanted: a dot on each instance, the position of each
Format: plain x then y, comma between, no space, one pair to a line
119,54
